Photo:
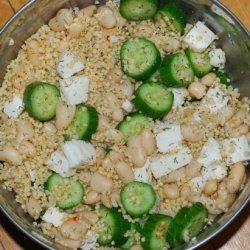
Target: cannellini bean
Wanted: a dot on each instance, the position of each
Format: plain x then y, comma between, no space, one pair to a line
210,187
106,17
33,207
208,79
25,130
115,156
127,89
117,115
239,130
75,30
185,191
101,183
103,123
235,178
226,114
64,115
197,90
74,230
63,17
10,155
248,137
63,46
136,247
144,30
27,148
171,191
175,175
92,198
115,196
124,172
114,135
137,153
92,217
106,200
112,100
120,20
193,169
88,11
191,134
49,127
72,244
148,141
115,74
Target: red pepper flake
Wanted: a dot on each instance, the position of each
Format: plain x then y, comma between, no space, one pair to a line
75,218
108,38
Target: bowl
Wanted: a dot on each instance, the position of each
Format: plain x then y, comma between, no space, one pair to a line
233,39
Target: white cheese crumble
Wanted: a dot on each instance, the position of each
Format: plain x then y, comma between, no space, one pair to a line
89,243
180,94
69,64
127,106
74,90
143,174
200,37
113,39
217,58
54,216
13,108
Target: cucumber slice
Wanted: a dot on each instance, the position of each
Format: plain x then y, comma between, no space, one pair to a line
137,198
171,16
224,79
200,62
67,192
154,232
194,221
84,124
131,240
175,228
139,58
136,10
40,100
133,125
153,99
114,227
176,70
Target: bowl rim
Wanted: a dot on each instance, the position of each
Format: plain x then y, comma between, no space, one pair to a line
198,244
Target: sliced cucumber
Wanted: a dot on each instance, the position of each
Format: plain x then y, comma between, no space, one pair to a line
194,221
40,100
200,62
176,70
84,124
154,232
171,16
137,10
131,238
175,227
114,227
132,125
67,192
137,198
224,79
153,99
139,58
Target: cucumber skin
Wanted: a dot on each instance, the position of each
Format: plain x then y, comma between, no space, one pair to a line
223,77
121,226
141,105
149,229
28,102
140,17
199,72
167,76
148,72
91,128
172,10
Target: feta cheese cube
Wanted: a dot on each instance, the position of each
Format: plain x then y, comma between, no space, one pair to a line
79,152
54,216
210,153
180,95
169,139
13,108
74,90
197,183
216,171
217,58
235,150
127,106
165,164
143,174
113,39
215,99
59,164
90,241
68,65
200,37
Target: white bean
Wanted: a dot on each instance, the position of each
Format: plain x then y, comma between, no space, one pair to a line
208,79
64,17
10,155
185,191
193,169
74,230
210,187
239,130
106,17
226,114
103,123
25,130
101,183
72,244
112,100
92,217
148,141
176,175
92,197
27,148
33,207
75,30
49,127
106,200
120,20
115,74
124,172
197,90
171,191
115,196
114,135
115,156
117,115
88,11
64,115
191,134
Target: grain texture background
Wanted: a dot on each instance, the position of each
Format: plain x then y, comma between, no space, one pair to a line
235,237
